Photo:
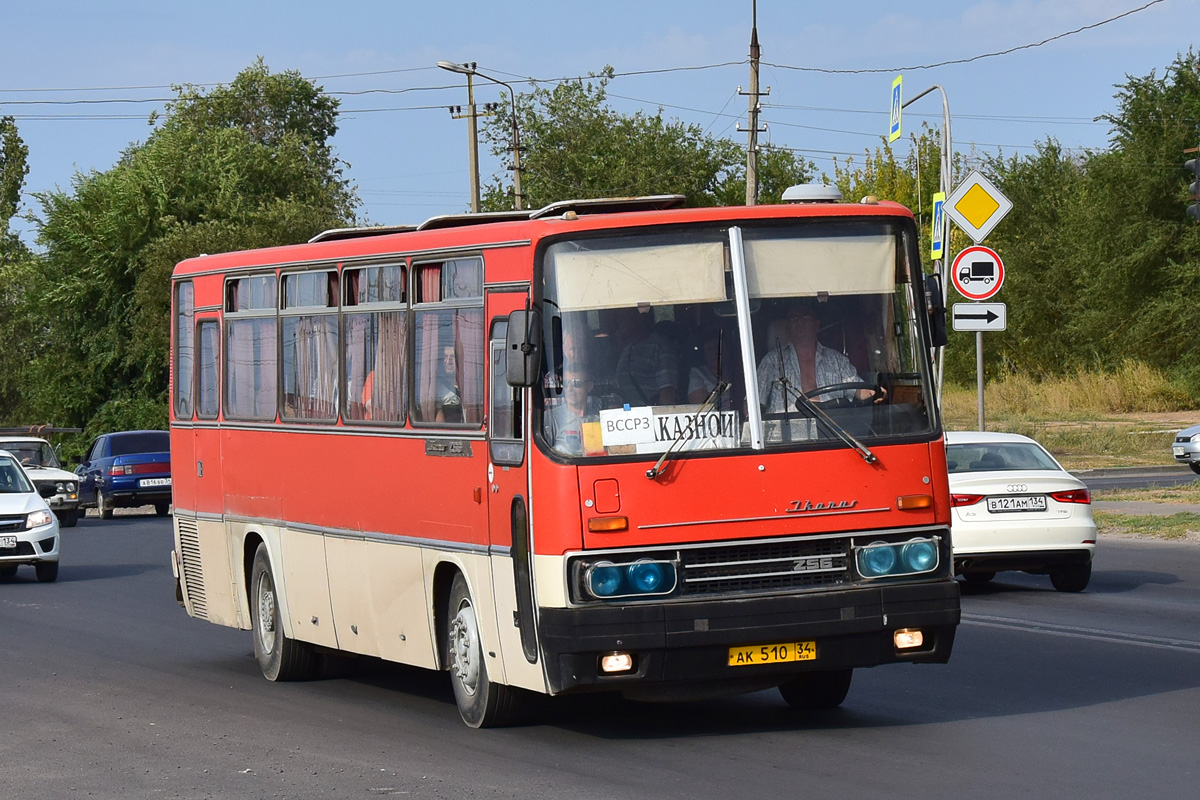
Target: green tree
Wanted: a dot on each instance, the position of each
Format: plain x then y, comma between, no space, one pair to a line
575,146
244,165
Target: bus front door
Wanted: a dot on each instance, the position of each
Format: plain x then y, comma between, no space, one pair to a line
507,490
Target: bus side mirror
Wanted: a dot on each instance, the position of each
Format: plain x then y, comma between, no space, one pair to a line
935,305
523,348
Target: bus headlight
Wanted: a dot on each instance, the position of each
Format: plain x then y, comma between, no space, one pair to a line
891,559
604,579
877,558
919,555
632,578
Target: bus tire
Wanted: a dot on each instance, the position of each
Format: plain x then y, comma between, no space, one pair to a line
279,658
481,703
811,691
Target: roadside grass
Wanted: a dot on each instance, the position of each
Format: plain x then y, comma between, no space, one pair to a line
1176,527
1119,419
1185,493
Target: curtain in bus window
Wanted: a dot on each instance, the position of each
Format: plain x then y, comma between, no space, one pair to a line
469,345
376,344
310,367
806,265
185,331
206,389
251,389
450,361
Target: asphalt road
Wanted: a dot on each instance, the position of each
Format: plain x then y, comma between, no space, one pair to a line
108,690
1137,477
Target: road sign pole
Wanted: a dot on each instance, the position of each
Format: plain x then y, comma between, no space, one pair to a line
979,376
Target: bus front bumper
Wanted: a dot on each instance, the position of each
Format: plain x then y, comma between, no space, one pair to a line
682,644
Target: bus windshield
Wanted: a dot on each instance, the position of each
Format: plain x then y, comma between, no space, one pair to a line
650,348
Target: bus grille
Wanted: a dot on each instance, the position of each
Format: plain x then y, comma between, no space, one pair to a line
189,559
765,567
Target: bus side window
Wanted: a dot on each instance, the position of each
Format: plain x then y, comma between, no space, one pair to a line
449,343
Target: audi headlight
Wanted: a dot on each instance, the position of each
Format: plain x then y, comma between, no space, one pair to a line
38,518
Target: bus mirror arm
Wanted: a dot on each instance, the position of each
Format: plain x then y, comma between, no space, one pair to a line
523,347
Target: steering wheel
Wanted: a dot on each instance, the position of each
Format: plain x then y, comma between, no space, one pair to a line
853,401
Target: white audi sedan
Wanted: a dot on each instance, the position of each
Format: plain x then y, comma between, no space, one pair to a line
1015,508
28,529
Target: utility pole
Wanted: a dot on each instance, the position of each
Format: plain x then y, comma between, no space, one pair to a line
755,107
470,70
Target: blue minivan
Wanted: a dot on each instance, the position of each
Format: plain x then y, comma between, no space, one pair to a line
126,470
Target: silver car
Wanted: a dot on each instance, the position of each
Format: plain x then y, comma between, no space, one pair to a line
28,529
1186,447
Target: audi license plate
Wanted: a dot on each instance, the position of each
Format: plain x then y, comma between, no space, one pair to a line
148,482
8,542
1033,502
772,653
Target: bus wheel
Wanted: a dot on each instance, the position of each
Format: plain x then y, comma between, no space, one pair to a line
481,703
816,690
279,658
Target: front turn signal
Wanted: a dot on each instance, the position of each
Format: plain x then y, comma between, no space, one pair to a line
911,502
608,524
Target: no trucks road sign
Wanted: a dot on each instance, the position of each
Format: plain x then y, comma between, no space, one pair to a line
978,273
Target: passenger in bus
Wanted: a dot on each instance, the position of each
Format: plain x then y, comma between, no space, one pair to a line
448,398
648,369
801,364
563,423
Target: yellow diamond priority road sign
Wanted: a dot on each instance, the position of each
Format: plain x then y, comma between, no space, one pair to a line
977,206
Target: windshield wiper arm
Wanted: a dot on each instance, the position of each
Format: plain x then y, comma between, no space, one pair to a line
716,392
821,416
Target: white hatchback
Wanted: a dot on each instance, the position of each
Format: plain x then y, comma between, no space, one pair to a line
28,529
1016,508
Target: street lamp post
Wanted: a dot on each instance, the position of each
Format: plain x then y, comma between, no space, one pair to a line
946,181
469,69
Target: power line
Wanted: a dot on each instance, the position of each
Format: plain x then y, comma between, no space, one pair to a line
971,58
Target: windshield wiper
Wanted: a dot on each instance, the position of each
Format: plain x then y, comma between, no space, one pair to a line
821,416
658,467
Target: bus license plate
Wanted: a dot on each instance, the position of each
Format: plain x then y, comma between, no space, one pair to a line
772,653
8,542
1036,502
146,482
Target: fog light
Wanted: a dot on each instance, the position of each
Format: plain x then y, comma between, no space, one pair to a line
908,638
616,662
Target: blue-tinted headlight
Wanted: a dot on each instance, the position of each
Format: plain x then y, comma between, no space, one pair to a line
877,558
646,576
604,579
919,556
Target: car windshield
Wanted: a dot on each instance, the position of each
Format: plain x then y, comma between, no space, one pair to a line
12,478
644,351
32,454
997,456
147,442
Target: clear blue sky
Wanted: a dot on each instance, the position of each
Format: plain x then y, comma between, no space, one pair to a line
408,156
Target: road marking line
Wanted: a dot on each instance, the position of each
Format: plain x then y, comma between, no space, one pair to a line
1094,634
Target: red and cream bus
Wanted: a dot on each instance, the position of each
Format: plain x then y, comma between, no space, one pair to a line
590,447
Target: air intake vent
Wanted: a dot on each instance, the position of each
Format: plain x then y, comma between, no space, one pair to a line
769,566
193,575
